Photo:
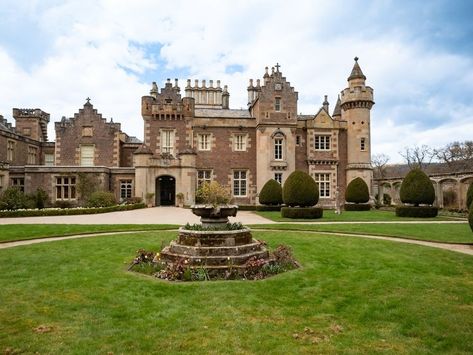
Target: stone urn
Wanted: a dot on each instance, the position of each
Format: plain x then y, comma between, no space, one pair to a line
214,216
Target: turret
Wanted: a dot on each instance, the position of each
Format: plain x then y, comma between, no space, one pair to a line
32,123
356,102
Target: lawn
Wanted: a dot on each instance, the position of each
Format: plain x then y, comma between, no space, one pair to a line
9,232
347,216
447,233
351,296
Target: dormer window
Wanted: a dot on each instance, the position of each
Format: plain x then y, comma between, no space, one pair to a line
277,104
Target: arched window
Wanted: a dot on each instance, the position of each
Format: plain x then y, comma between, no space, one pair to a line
278,145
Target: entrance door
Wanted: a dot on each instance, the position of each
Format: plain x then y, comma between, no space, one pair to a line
166,191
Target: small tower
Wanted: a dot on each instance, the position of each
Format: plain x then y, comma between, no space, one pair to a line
356,102
32,123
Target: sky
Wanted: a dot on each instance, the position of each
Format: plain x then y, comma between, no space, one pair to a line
417,56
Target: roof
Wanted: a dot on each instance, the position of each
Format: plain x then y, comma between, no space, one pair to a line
5,125
337,111
356,72
143,149
305,117
221,113
132,139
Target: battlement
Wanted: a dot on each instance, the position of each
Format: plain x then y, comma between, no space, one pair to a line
358,96
30,113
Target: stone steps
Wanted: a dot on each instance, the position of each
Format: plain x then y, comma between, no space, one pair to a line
176,248
225,261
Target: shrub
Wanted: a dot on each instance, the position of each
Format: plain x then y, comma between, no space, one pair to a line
470,218
357,207
63,204
212,194
101,199
469,196
416,188
387,199
268,208
357,191
300,190
271,193
69,211
13,199
302,212
419,211
40,198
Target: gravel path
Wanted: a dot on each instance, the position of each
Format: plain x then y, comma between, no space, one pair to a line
459,248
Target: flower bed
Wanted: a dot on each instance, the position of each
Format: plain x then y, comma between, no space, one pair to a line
69,211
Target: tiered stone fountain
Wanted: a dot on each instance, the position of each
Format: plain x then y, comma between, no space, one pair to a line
215,250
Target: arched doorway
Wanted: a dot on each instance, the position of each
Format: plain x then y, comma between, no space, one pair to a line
165,191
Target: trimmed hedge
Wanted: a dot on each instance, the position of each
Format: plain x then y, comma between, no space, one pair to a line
101,199
357,191
469,196
300,190
416,188
470,218
419,211
69,211
246,208
302,212
357,207
271,193
268,208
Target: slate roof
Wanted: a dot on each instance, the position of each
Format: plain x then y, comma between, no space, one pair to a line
219,113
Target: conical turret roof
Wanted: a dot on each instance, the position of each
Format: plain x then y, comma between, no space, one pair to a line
337,111
356,72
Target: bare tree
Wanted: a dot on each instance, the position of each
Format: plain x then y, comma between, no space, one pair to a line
458,154
417,157
379,161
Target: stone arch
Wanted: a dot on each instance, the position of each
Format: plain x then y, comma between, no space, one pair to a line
165,190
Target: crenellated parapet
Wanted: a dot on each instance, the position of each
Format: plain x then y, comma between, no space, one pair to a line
357,97
32,123
167,104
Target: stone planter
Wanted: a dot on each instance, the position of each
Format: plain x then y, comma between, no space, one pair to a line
211,216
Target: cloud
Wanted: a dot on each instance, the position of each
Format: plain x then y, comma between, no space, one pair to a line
112,50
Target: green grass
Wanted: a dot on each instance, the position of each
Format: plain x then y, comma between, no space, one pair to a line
351,296
10,232
447,233
347,216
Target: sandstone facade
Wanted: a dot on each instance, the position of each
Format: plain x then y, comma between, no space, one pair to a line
194,137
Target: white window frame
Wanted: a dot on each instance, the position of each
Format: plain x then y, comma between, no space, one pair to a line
322,142
277,104
87,155
239,142
49,162
240,183
66,188
126,189
278,177
278,148
204,175
167,141
323,181
204,141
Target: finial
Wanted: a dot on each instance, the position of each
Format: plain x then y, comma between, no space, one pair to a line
272,70
176,82
277,67
88,100
111,119
168,80
356,59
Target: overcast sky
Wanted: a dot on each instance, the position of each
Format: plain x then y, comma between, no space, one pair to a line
417,55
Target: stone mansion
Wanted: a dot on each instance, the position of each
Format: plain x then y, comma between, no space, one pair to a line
193,137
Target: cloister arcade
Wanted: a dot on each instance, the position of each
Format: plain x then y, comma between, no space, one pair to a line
450,189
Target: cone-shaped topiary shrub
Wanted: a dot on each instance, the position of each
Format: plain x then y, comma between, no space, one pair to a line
469,196
300,190
357,191
271,193
416,188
